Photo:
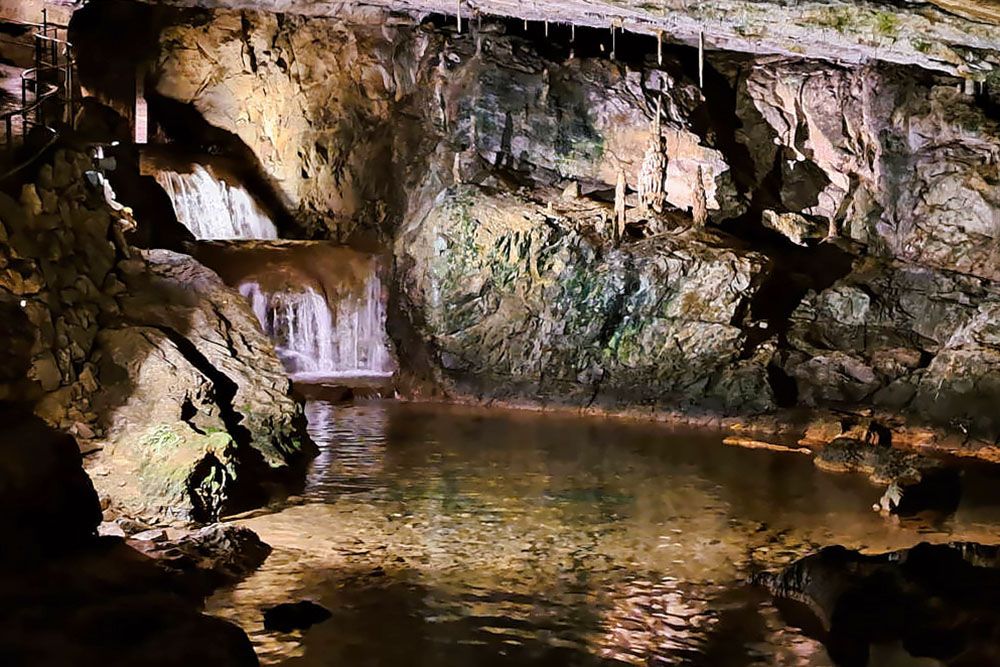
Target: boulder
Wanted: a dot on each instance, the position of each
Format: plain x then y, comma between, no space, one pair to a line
937,601
48,500
207,558
193,398
290,616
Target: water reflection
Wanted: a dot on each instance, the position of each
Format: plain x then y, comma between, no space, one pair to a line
448,536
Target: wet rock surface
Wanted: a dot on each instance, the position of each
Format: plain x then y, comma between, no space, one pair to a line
517,300
199,403
937,601
914,482
865,194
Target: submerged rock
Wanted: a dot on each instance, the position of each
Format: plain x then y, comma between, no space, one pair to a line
291,616
940,601
915,482
204,559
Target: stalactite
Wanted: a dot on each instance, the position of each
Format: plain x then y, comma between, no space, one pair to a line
458,14
614,43
701,60
699,205
572,33
659,47
620,209
546,27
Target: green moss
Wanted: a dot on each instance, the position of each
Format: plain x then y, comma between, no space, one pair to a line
921,45
159,440
887,24
838,18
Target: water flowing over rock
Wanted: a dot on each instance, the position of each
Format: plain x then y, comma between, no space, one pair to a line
199,407
214,209
148,356
315,338
323,305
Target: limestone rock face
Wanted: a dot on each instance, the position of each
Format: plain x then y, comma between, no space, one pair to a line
908,165
149,355
882,178
903,337
352,121
514,301
955,36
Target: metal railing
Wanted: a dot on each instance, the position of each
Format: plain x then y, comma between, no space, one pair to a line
46,94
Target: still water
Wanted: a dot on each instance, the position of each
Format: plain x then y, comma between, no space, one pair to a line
443,536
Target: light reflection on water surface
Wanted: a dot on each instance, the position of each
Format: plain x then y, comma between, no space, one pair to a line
449,536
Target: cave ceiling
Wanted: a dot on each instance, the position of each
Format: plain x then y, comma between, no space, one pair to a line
959,37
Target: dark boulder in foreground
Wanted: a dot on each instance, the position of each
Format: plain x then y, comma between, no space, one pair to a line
70,597
936,601
294,616
915,483
47,498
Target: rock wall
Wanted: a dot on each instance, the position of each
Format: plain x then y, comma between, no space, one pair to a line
519,301
146,355
355,122
855,210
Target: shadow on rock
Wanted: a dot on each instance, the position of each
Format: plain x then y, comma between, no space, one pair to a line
936,601
73,598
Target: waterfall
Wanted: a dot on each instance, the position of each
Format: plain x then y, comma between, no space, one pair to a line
212,209
316,341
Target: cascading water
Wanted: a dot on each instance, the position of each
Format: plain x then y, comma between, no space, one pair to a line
214,210
316,341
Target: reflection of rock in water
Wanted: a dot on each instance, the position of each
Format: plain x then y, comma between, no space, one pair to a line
212,209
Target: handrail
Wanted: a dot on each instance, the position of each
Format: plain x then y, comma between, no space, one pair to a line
45,42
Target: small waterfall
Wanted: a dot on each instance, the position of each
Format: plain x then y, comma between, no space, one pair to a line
214,210
315,340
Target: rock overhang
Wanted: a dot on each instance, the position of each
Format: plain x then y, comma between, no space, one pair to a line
957,37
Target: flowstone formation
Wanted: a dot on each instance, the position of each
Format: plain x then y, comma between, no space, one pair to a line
147,357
